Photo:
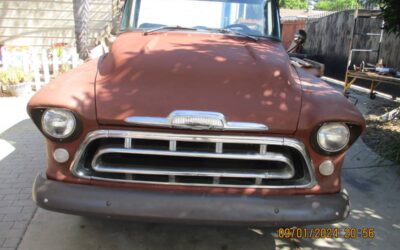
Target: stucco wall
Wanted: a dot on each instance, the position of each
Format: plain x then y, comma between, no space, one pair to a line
328,38
45,22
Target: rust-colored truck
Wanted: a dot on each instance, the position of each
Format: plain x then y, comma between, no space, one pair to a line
195,115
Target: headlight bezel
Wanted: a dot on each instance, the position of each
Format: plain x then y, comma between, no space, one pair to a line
354,133
37,115
71,121
346,139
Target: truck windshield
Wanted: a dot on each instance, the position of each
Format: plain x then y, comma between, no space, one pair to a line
256,18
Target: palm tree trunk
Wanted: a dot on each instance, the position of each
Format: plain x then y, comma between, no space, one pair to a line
81,18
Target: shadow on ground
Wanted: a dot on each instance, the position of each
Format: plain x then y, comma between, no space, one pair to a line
74,232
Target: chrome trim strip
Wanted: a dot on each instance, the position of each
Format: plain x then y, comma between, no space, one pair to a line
285,173
266,157
245,126
293,143
197,137
196,120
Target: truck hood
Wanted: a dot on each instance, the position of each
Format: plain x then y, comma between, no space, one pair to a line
155,74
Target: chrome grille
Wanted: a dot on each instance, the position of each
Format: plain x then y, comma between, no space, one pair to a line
188,159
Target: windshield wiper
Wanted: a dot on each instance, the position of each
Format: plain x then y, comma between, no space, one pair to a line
232,31
166,27
223,31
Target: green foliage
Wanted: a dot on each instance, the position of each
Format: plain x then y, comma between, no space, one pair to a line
293,4
336,4
12,76
391,15
65,67
59,51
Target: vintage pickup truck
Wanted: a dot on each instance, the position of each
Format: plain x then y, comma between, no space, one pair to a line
195,115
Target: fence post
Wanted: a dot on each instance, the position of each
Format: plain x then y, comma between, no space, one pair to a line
45,63
35,68
25,61
55,62
6,55
75,59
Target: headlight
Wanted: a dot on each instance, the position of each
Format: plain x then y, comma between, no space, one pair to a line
333,137
58,123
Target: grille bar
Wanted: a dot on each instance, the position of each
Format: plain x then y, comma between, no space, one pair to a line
267,156
284,173
172,146
219,147
231,149
281,174
263,149
128,143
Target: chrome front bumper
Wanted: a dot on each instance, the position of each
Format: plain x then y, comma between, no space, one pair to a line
197,208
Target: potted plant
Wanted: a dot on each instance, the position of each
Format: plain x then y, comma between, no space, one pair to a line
15,81
62,52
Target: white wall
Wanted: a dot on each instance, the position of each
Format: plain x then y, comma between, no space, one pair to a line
41,23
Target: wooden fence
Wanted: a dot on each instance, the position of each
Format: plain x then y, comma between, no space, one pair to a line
328,40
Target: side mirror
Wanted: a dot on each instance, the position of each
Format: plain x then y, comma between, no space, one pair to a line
299,39
300,36
300,60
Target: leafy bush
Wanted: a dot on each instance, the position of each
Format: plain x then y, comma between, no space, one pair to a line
336,4
390,12
293,4
13,76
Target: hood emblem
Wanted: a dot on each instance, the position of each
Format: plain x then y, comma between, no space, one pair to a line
197,120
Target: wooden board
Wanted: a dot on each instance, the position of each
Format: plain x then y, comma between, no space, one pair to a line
371,76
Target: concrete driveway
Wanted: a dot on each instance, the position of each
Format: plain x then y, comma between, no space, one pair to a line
372,183
374,196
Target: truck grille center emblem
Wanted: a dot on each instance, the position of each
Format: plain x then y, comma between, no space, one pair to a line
197,120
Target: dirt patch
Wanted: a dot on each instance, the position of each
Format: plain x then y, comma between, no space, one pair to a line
383,137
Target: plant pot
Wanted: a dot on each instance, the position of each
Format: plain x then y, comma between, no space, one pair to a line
3,88
20,89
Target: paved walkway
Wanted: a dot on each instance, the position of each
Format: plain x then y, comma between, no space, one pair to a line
373,185
21,157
